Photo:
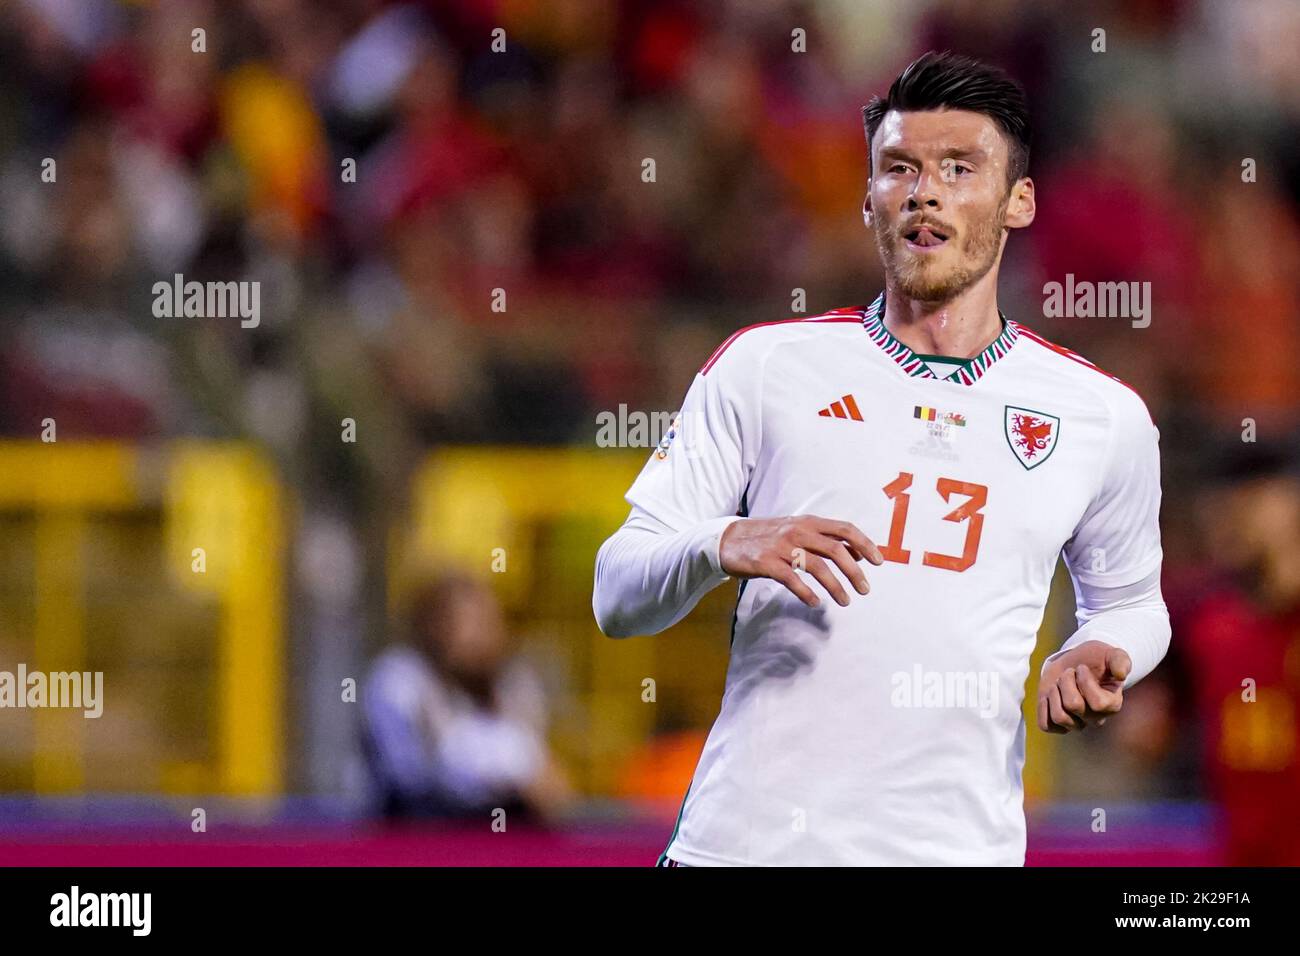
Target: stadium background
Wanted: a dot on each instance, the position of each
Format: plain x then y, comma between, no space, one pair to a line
476,429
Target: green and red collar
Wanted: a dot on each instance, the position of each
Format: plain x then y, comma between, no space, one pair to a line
914,364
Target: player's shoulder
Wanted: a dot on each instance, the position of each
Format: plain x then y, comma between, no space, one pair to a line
747,346
1069,369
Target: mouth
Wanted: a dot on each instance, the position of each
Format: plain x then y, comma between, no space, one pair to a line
925,239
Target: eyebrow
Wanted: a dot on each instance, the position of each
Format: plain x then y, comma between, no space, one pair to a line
973,152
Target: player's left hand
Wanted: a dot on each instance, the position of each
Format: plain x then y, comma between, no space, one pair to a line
1082,687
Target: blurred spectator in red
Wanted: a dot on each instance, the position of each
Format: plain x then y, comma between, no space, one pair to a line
1242,647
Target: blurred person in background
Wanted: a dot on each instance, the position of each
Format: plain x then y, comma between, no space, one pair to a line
1242,647
454,726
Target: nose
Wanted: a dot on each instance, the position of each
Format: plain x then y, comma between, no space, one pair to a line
925,193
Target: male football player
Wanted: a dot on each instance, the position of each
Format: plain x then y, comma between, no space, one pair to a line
955,451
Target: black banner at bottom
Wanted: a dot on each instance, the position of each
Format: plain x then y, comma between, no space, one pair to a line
336,905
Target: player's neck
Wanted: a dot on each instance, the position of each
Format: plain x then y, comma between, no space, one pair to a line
961,327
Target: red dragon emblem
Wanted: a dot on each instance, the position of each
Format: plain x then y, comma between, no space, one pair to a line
1031,434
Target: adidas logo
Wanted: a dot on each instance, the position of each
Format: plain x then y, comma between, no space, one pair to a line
846,407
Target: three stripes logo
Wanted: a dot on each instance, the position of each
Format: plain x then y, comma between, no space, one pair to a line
846,407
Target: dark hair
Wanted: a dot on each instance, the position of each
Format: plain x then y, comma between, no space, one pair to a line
947,81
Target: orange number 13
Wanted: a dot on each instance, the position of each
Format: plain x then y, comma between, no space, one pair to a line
977,496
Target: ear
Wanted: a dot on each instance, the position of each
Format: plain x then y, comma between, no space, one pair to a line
866,207
1022,206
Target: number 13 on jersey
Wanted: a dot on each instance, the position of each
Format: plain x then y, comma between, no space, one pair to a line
969,510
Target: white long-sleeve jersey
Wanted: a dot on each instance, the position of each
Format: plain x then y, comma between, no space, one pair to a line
889,731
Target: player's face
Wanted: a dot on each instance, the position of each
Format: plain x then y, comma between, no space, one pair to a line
938,200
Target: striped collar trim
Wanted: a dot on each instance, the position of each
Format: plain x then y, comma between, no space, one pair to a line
912,364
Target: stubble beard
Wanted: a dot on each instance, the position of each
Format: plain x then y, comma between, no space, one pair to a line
922,279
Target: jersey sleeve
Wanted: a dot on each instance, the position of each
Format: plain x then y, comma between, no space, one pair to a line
1117,541
664,558
1114,555
702,466
1133,617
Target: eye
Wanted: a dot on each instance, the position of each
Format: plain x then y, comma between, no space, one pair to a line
898,168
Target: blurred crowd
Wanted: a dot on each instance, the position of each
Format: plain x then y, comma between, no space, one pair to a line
459,238
385,168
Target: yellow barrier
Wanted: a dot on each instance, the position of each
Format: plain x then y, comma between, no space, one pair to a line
222,498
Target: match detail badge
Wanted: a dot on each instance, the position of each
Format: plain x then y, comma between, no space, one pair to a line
661,452
1031,435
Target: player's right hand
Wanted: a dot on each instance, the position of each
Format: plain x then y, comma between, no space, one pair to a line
778,548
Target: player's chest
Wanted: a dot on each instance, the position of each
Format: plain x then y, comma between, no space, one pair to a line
908,456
